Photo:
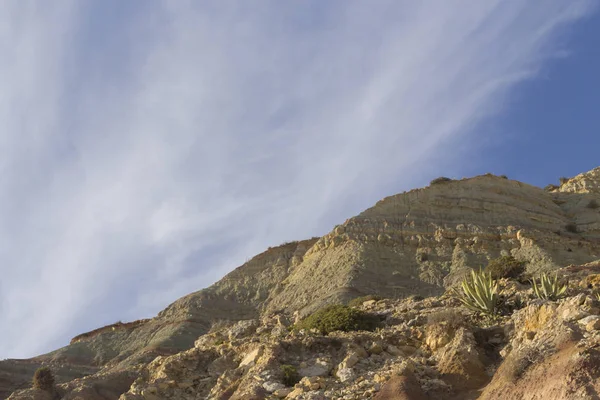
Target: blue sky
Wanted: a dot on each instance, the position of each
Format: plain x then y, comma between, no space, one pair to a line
151,147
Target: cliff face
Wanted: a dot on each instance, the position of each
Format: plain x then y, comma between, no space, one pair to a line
418,242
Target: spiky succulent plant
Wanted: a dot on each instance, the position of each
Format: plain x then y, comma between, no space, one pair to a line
549,288
480,293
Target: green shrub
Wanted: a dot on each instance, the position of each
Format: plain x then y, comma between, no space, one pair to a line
480,293
571,228
503,176
441,179
593,204
505,267
358,301
548,288
339,318
43,379
290,375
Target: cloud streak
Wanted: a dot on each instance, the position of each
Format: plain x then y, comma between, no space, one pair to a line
149,150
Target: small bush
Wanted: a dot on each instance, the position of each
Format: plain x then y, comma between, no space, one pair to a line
290,375
550,187
339,318
503,176
570,227
505,267
43,379
452,318
593,204
441,179
360,300
518,362
563,180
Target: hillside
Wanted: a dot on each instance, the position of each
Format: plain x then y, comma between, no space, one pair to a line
418,243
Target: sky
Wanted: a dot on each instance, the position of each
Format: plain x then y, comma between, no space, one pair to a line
150,147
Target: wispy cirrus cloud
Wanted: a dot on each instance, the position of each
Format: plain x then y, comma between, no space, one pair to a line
148,150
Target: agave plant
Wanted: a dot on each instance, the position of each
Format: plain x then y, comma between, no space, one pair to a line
549,288
480,293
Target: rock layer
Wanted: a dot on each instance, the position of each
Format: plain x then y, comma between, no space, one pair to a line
415,243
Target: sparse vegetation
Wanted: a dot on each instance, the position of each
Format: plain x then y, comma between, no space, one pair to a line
563,180
593,204
518,362
550,187
441,179
503,176
570,227
43,379
290,375
548,288
480,293
505,267
339,318
451,317
358,301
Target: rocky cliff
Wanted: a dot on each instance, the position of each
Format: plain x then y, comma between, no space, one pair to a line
416,243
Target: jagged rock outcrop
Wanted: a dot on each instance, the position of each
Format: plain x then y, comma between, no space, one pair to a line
415,243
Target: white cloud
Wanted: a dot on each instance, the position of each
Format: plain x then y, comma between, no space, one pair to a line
144,157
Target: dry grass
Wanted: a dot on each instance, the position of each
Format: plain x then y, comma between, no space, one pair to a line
43,379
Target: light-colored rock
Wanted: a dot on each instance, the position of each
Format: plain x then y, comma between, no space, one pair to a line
318,369
349,362
393,350
250,358
271,386
282,393
243,328
593,325
460,362
296,393
345,374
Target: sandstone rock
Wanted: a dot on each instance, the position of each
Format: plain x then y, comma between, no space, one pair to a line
393,350
437,336
349,362
282,393
460,362
243,328
251,357
406,367
403,387
375,348
345,374
271,386
296,393
593,325
318,369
